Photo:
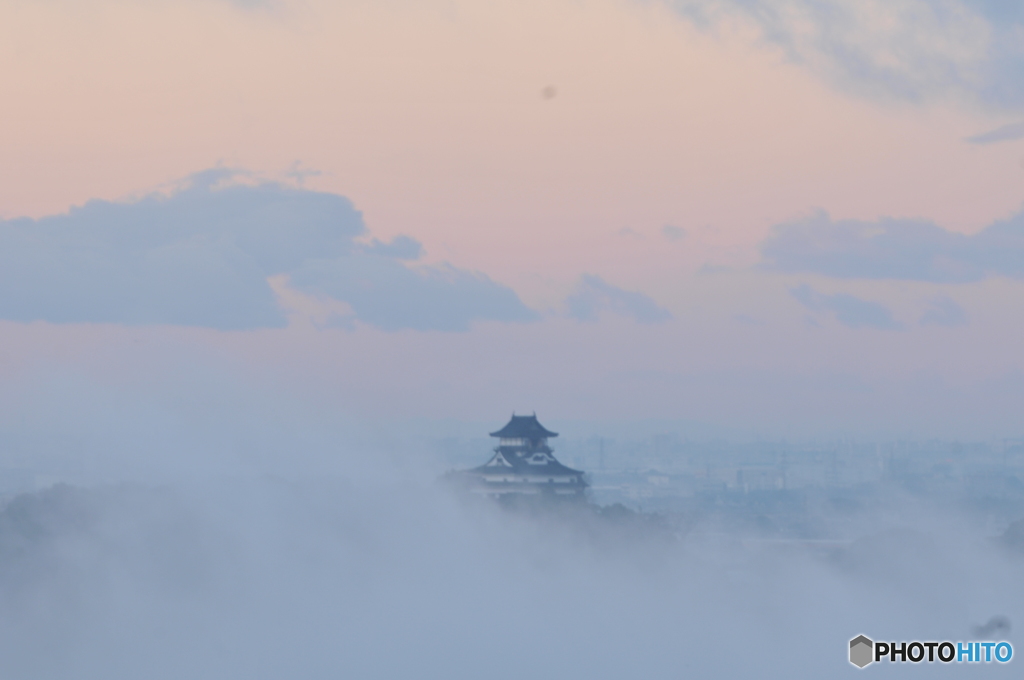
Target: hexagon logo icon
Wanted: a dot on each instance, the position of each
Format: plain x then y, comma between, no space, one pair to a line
861,651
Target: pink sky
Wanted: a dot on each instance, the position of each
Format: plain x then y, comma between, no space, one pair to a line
430,117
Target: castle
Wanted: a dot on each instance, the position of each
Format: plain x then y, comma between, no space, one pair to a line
524,465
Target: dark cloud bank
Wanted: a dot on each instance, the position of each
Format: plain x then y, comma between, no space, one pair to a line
202,256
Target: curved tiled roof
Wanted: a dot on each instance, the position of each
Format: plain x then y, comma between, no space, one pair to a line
524,427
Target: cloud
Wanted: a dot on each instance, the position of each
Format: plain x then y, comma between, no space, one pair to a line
850,311
910,250
1004,133
293,577
673,233
300,174
906,49
944,312
384,292
593,296
1000,134
401,248
202,256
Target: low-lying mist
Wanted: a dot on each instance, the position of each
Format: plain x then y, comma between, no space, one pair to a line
196,522
272,576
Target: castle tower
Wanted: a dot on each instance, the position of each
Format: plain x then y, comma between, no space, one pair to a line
524,464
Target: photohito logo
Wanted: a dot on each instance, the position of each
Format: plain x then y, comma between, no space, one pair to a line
863,651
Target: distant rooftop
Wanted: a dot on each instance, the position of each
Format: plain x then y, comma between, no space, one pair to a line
524,427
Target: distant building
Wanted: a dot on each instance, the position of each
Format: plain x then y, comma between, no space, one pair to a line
523,464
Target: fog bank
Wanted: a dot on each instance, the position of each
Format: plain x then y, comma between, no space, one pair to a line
271,577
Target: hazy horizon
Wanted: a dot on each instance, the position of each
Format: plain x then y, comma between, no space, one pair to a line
270,268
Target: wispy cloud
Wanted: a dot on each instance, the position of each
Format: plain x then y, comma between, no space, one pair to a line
299,173
673,233
912,250
907,49
1004,133
943,311
848,310
593,295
